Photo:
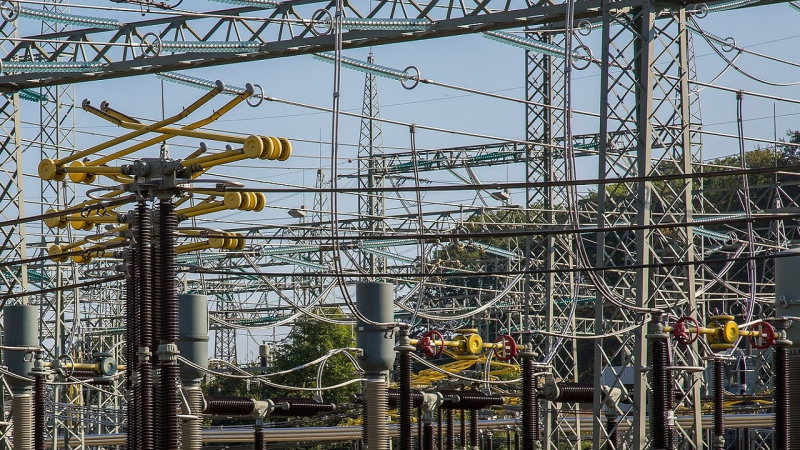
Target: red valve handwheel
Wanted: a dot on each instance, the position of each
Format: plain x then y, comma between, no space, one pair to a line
428,344
509,349
765,338
681,332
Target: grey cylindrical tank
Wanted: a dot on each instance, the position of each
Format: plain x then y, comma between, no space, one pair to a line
787,290
20,324
376,303
193,335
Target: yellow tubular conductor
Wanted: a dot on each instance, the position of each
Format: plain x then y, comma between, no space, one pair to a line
49,170
55,252
233,200
206,211
55,222
138,128
194,246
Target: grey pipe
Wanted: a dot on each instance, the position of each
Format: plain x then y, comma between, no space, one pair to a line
193,336
21,410
378,426
20,325
191,430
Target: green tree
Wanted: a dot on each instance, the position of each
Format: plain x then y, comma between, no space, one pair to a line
307,341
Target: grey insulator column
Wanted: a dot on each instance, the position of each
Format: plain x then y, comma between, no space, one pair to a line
787,348
378,426
20,324
21,409
193,345
375,301
191,430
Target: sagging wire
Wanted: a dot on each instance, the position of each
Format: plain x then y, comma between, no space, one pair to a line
334,201
305,310
402,75
420,223
731,63
746,204
260,379
471,313
730,43
314,362
630,328
569,172
321,368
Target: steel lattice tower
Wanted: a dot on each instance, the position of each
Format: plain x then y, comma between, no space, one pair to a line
371,168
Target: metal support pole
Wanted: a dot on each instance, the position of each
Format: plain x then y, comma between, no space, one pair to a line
719,413
611,430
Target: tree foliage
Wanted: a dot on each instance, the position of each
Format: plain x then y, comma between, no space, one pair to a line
305,342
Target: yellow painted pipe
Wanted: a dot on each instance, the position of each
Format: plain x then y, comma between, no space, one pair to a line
206,211
205,204
195,246
192,161
225,109
159,139
95,219
486,345
100,170
140,131
117,114
172,131
217,162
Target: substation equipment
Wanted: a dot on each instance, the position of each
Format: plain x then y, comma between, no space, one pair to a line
167,334
166,354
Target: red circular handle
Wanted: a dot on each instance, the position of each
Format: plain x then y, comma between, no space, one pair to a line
765,338
509,349
429,347
681,332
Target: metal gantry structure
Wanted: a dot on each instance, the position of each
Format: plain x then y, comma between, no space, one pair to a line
607,266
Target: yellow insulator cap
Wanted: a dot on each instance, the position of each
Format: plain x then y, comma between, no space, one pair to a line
261,201
248,202
253,200
269,147
55,252
240,241
232,200
216,242
77,224
276,148
474,344
48,170
230,241
53,222
77,177
253,146
286,149
730,332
